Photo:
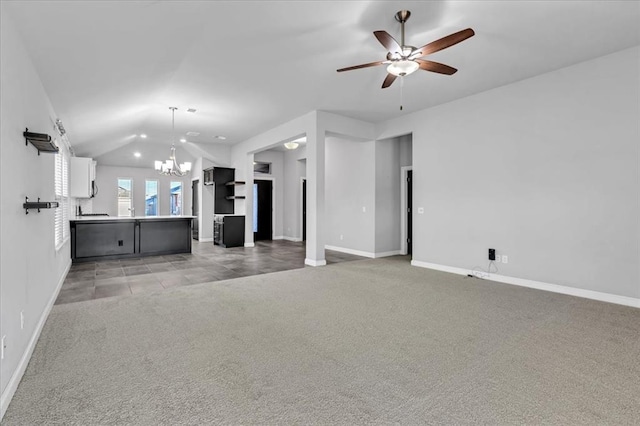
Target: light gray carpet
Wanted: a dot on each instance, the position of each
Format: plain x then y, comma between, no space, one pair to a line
374,341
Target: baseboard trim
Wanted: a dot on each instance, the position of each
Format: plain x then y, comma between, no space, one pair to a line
279,237
249,244
387,253
351,251
312,262
294,239
555,288
12,386
206,240
363,253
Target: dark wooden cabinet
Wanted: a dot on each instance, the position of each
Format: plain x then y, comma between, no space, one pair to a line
228,231
103,238
207,176
99,239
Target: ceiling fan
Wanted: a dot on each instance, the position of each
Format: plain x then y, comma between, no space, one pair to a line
403,60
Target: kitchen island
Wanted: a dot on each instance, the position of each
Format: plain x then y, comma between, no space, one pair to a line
102,238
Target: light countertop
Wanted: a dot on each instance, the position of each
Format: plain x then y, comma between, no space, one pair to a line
116,218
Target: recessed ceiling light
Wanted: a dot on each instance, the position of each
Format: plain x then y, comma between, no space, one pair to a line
191,110
183,140
143,136
220,137
193,134
137,154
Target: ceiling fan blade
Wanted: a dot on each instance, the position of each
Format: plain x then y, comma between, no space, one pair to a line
389,80
357,67
436,67
444,42
388,42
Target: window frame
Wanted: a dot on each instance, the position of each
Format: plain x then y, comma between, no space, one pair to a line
181,199
157,197
130,196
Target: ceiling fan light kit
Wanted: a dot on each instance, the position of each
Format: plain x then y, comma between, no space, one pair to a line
403,59
402,68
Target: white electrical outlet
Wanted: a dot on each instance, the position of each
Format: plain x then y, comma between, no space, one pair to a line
497,258
21,320
505,258
364,209
341,237
2,347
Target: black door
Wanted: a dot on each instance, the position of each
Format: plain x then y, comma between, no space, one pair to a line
304,210
194,209
409,211
263,210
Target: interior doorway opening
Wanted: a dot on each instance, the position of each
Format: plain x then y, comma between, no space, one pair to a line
262,210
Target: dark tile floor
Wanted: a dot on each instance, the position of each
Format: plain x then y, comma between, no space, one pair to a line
206,263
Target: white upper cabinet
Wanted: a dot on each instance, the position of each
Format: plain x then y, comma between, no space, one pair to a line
82,177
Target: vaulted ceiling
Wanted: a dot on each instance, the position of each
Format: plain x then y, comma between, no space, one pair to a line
112,68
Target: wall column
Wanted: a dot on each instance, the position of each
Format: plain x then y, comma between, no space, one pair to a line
315,194
248,202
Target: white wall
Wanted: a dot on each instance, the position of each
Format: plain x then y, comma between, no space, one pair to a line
106,200
295,168
387,195
544,170
31,270
350,194
406,153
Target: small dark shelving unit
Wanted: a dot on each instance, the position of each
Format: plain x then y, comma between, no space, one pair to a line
41,141
225,188
228,231
38,205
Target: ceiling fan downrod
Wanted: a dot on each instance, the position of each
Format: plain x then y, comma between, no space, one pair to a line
402,17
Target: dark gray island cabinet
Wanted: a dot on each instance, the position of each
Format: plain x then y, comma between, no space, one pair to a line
119,238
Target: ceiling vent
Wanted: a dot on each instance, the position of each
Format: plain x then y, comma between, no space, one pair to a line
192,110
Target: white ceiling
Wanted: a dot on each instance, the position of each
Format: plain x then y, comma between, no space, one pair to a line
112,68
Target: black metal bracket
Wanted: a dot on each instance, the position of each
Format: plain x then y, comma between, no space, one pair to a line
41,141
38,205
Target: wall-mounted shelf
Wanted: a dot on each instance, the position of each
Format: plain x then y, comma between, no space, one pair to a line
38,205
41,141
235,182
235,197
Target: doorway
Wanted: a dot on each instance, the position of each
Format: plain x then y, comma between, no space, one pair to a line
195,202
409,211
406,210
304,210
262,210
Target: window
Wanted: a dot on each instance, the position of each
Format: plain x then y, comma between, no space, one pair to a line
176,199
61,179
151,198
262,167
125,200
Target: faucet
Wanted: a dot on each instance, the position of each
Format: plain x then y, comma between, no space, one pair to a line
133,212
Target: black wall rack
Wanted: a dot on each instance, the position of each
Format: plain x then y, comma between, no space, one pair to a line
41,141
38,205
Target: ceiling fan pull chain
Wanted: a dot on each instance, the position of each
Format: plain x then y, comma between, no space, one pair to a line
401,86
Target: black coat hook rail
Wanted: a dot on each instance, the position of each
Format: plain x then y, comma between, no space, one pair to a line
38,205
